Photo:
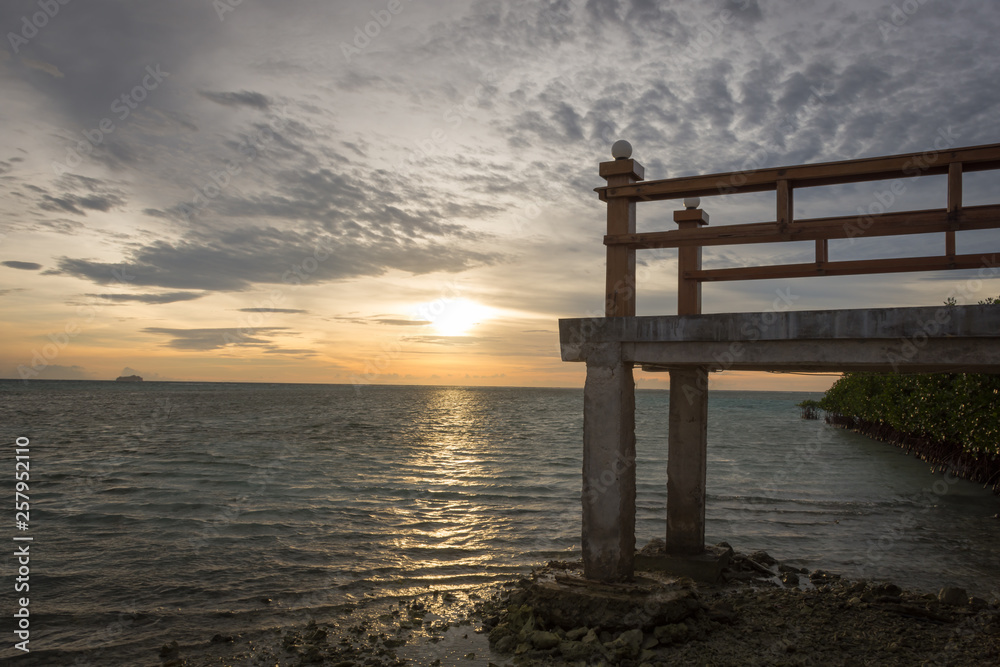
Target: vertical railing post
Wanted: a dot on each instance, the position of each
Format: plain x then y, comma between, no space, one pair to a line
954,206
687,436
619,293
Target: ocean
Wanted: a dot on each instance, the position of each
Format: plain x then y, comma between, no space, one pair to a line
175,511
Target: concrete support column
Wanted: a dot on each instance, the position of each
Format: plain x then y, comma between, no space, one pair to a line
687,456
608,538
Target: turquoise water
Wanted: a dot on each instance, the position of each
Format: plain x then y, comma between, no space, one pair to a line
177,510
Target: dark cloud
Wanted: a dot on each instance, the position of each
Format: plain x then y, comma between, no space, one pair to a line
80,194
238,259
241,99
170,297
24,266
216,339
300,353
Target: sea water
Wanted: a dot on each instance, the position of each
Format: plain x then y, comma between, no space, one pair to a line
174,511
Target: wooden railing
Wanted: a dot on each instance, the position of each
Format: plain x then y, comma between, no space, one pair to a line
625,188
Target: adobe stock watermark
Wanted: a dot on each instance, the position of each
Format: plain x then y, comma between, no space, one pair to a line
883,200
910,347
219,180
454,116
392,350
223,7
756,159
899,15
752,331
30,26
59,341
122,107
294,277
706,33
927,499
363,36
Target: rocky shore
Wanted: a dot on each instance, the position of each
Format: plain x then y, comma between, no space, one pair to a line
760,612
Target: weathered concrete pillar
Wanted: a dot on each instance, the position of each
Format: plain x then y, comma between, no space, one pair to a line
608,538
687,455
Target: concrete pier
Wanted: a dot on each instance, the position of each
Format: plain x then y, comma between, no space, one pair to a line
608,539
690,345
933,339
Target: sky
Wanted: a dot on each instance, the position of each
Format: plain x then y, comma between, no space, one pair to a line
401,191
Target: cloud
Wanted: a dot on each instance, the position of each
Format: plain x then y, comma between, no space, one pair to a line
272,310
244,98
24,266
215,339
446,340
170,297
402,323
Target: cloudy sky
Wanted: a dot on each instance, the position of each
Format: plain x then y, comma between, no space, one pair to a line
401,191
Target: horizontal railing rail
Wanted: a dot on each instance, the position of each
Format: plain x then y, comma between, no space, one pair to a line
626,188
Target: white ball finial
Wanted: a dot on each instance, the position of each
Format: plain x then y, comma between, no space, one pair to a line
621,150
692,202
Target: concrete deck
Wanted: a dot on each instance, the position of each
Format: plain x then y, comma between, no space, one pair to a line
924,339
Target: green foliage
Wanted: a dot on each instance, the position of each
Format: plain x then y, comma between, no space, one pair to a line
958,408
810,408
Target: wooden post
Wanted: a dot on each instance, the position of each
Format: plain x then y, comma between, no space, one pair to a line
785,199
954,205
687,437
619,292
689,259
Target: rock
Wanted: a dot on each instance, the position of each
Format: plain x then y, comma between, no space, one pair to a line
978,603
892,590
790,578
656,546
572,603
649,641
543,640
169,651
787,568
220,639
723,612
576,651
955,597
591,637
506,644
576,633
763,558
628,644
312,655
673,633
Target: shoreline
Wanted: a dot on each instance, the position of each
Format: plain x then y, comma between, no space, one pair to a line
762,613
981,469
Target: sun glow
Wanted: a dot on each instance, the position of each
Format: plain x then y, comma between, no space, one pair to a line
456,317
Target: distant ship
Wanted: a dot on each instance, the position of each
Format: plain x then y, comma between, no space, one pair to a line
128,378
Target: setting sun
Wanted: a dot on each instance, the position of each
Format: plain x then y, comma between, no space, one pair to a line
456,317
